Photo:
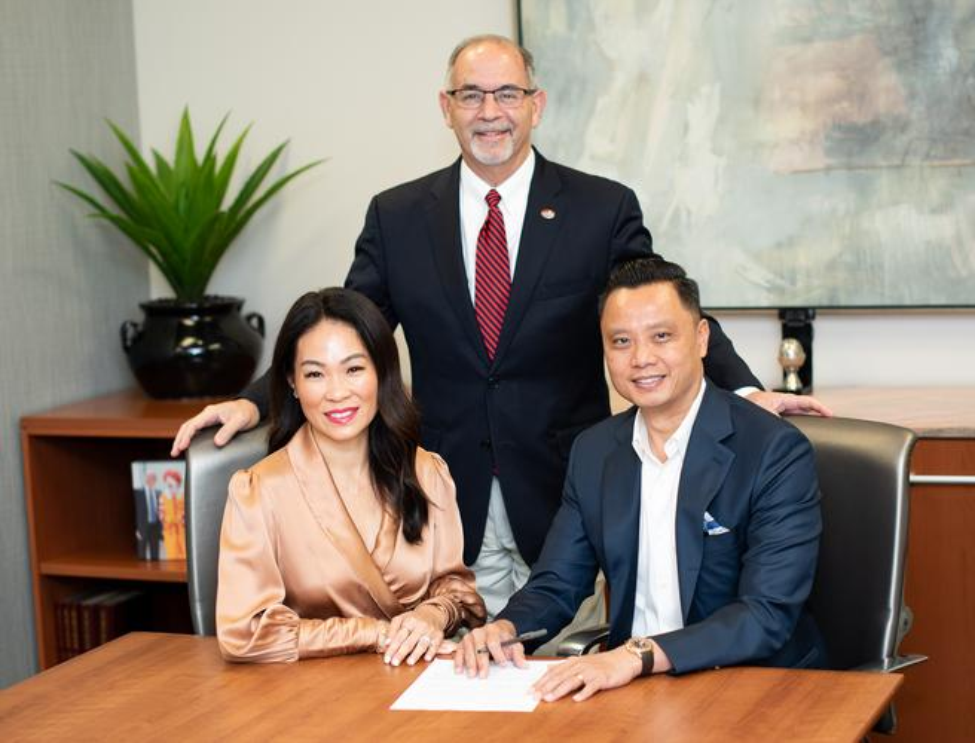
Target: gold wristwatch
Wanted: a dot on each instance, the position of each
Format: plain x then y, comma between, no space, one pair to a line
642,648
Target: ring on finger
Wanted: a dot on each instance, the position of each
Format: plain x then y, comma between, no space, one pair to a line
425,640
581,679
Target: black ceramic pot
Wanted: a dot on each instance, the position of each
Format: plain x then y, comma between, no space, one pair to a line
194,349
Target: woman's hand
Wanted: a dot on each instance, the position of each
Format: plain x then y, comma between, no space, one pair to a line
416,634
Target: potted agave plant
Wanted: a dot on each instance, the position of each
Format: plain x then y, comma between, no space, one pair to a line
178,213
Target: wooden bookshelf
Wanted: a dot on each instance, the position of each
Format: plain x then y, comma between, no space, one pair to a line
95,564
80,510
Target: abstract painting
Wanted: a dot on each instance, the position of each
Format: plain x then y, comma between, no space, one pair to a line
790,153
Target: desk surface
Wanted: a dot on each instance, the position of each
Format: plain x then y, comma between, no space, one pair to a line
932,412
176,687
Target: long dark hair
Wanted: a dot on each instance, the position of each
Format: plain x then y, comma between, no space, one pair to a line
395,431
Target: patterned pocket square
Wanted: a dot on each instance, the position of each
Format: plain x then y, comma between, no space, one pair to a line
712,527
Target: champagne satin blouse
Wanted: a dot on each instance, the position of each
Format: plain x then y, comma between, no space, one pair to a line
296,579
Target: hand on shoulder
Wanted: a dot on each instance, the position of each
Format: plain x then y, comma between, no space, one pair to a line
233,416
784,403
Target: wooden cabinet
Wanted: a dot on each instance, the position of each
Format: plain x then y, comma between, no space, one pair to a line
937,699
81,512
936,702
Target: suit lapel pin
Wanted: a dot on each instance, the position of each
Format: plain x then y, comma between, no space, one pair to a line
548,213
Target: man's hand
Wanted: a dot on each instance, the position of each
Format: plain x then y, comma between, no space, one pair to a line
785,403
587,675
233,416
490,636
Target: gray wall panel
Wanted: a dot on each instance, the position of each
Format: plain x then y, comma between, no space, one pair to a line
66,283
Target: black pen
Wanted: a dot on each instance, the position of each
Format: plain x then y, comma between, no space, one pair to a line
535,634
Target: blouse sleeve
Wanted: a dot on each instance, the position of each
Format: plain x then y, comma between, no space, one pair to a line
452,587
253,623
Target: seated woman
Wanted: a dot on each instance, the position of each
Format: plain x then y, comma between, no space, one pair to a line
347,537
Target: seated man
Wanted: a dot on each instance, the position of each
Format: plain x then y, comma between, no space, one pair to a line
701,509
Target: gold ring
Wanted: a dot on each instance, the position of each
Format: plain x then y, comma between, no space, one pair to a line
581,679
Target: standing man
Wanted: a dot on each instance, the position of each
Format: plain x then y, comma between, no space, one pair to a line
493,267
701,509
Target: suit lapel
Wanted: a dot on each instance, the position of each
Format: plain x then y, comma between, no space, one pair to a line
706,465
336,523
620,488
537,240
443,222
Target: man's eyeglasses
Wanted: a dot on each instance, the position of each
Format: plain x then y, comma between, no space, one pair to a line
508,96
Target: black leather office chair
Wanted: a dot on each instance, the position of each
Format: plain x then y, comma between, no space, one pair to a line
857,599
208,472
858,596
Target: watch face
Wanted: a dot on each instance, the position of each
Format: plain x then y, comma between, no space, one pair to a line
642,647
640,644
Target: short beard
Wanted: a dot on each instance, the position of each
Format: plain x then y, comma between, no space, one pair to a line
492,155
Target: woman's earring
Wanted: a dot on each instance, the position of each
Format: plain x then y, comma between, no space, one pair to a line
294,392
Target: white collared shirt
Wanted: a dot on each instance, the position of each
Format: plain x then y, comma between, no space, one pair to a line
657,607
474,209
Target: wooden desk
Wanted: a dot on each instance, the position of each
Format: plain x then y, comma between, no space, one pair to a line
146,687
936,702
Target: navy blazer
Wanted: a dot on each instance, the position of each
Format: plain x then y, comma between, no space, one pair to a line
519,414
742,593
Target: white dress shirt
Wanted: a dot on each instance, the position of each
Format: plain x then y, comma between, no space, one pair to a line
500,569
657,606
474,209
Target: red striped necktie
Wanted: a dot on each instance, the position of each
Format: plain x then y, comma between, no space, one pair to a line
492,275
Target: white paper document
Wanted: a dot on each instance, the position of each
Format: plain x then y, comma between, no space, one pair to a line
506,689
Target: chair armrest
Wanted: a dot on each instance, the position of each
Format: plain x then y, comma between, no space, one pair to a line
892,665
583,641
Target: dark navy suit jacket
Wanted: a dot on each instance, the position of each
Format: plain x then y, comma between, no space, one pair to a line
518,414
742,593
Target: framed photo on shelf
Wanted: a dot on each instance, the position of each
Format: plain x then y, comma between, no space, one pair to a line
160,521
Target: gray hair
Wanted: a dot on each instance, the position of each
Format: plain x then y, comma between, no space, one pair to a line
526,56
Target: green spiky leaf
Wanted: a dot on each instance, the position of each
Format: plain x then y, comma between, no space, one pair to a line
175,212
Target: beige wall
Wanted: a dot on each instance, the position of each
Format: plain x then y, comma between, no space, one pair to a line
886,349
356,83
66,283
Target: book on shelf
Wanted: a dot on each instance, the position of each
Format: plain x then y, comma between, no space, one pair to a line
87,610
65,625
160,522
88,619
